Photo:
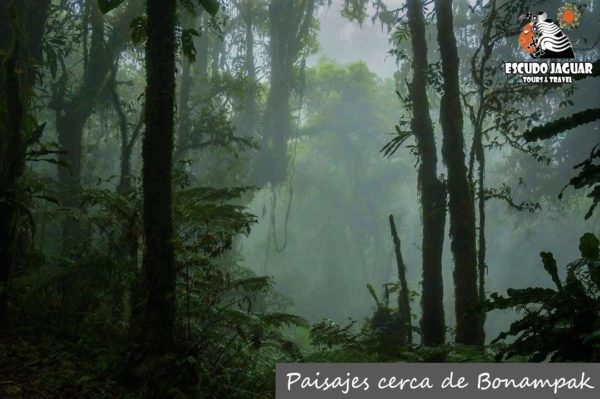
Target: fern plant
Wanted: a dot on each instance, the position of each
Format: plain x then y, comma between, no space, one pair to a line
557,324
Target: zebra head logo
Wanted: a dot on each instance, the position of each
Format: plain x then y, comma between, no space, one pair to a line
541,37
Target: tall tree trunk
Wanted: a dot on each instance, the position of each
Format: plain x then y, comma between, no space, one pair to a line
479,67
184,120
156,335
183,106
189,73
21,48
247,123
481,265
432,189
461,206
12,158
127,245
403,296
276,121
289,26
72,114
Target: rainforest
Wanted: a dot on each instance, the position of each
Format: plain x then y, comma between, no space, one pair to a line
194,191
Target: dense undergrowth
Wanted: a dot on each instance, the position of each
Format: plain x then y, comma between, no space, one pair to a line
72,317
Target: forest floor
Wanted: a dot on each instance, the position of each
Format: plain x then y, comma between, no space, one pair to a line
43,369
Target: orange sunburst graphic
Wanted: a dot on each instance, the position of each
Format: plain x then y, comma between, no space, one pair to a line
568,16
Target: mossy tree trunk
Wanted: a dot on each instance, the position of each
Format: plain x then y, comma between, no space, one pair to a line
289,26
249,117
191,72
158,320
72,113
21,30
432,189
461,206
404,312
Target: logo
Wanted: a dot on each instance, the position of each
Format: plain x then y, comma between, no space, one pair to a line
545,39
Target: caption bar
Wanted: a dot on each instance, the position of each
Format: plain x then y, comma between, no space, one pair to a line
427,380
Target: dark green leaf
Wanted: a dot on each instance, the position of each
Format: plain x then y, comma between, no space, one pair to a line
48,198
36,134
138,30
372,292
211,6
108,5
589,245
550,267
187,43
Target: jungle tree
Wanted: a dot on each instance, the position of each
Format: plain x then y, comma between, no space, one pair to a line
250,12
159,257
432,188
460,204
159,275
290,24
21,31
73,111
487,97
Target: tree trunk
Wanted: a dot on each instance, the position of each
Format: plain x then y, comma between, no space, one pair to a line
156,335
183,107
479,66
403,295
461,206
247,123
127,246
72,115
289,26
190,72
276,121
432,189
20,51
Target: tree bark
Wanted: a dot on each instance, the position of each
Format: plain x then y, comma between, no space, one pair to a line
248,119
191,72
432,189
156,335
289,26
23,51
72,115
127,140
403,295
461,206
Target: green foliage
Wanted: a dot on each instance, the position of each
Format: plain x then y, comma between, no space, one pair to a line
560,324
230,320
187,43
589,246
51,368
109,5
211,6
395,143
561,125
588,176
138,30
505,193
355,10
326,334
379,338
345,343
62,36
